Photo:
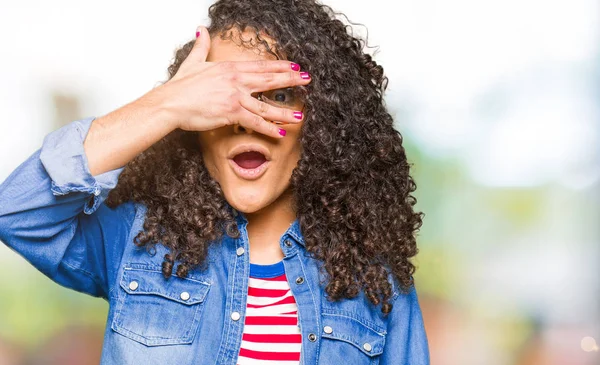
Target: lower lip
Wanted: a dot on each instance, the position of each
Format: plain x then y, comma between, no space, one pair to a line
249,174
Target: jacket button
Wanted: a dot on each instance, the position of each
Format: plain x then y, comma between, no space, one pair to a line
185,295
240,251
327,329
133,285
312,337
235,316
97,192
367,346
299,280
288,243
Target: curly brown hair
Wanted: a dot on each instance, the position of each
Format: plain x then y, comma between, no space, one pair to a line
352,187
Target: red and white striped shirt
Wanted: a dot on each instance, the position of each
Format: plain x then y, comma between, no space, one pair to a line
271,334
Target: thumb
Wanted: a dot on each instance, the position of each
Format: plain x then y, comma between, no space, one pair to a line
201,46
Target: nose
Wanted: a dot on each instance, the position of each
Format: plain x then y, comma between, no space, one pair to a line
238,129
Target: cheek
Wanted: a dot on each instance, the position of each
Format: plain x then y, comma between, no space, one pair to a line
291,161
210,165
209,156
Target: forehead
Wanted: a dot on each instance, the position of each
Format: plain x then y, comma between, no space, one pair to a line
233,50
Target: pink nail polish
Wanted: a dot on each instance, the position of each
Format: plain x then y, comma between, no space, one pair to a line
197,34
295,66
298,115
282,132
305,75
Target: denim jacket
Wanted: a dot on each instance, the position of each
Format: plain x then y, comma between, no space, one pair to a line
52,214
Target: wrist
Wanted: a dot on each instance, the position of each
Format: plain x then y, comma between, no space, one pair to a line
162,107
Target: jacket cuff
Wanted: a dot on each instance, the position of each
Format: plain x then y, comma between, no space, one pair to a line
64,159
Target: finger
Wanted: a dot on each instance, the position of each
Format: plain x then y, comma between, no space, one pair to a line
265,66
255,122
270,112
255,82
201,46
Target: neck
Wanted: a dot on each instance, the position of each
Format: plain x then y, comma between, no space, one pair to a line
265,228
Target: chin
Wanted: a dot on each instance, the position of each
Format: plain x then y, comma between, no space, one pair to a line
248,199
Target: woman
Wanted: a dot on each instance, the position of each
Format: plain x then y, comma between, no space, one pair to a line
254,208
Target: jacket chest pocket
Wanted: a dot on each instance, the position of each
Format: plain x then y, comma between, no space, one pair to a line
347,340
157,311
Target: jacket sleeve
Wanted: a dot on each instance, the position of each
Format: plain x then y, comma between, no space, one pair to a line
406,341
52,214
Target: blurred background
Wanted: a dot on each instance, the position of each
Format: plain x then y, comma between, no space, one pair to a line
499,106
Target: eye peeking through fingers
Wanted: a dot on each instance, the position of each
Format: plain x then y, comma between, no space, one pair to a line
289,98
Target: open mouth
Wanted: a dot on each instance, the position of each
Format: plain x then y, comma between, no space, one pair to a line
249,165
250,160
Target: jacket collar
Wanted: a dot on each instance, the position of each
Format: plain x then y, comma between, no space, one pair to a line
293,231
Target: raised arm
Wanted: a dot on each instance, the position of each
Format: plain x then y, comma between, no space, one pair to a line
51,213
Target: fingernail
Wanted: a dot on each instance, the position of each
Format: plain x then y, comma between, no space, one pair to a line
305,75
282,131
197,34
298,115
295,66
